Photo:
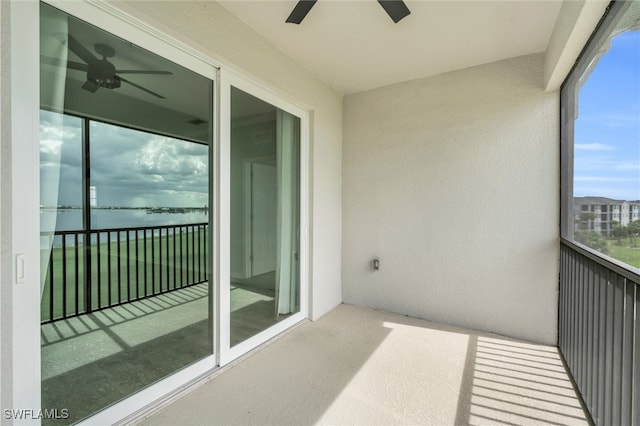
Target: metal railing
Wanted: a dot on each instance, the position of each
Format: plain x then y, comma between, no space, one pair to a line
599,334
98,269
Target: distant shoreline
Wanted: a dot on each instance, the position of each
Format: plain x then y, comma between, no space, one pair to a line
149,209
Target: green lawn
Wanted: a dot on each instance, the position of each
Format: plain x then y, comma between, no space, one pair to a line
161,266
625,252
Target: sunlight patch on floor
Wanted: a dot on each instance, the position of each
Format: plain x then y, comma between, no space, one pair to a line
520,383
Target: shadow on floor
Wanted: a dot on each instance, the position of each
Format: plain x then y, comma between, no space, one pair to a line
94,386
81,325
510,382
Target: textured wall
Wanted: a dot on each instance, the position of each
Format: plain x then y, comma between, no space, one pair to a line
453,182
215,31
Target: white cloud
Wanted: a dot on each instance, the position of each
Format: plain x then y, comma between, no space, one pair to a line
160,155
615,192
50,146
593,147
620,119
597,163
54,135
604,179
628,166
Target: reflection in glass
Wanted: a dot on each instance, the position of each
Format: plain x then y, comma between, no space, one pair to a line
124,169
265,215
606,178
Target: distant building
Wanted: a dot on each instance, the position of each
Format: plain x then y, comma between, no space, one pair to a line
93,196
600,213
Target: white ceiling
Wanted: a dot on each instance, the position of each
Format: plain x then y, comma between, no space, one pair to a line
353,45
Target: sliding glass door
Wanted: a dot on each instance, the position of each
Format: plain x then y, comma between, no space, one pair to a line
173,238
265,215
125,156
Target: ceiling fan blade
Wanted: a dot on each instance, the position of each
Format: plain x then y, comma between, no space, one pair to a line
396,9
76,47
64,64
124,80
144,72
90,87
300,11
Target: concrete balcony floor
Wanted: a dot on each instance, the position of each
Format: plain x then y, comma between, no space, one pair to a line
361,366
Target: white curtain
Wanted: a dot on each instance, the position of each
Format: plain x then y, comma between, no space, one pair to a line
53,36
288,212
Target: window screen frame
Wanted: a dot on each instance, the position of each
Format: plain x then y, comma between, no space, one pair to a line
586,62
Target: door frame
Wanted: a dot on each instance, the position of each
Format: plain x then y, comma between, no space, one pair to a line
247,169
21,219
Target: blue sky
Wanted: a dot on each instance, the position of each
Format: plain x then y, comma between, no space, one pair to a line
607,131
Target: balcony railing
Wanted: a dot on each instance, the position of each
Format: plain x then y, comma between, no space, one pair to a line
599,334
98,269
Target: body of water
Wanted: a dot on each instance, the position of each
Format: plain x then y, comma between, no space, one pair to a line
71,219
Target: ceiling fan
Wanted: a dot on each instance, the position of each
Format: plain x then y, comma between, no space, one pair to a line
396,9
100,72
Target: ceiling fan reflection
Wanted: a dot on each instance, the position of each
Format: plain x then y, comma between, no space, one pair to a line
100,72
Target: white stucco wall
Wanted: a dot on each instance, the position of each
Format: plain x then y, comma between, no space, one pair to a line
452,181
213,30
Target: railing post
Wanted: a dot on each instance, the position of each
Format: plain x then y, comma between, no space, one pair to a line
86,211
51,289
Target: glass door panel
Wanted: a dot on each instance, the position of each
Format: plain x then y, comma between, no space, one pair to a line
125,150
265,216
